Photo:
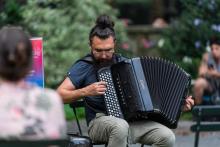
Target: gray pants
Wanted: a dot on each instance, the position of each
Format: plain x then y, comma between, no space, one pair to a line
118,133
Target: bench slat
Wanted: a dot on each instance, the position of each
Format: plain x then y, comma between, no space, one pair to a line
206,127
206,110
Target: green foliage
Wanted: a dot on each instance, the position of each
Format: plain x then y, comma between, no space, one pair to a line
65,26
70,115
144,2
11,13
188,38
186,116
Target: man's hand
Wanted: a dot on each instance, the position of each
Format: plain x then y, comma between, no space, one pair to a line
97,88
189,103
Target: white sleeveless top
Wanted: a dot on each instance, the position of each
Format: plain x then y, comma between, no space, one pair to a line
212,62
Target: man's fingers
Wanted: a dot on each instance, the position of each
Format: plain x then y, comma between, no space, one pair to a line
187,108
101,92
102,83
102,86
102,89
190,101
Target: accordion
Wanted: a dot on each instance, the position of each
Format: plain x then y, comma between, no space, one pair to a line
145,88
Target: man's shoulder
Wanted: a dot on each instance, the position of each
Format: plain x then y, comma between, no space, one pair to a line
81,66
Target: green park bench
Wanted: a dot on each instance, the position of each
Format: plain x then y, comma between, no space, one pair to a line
34,143
201,112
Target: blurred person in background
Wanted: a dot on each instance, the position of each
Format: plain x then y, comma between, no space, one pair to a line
26,111
209,74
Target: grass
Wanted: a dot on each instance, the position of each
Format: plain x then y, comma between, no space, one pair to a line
186,116
69,115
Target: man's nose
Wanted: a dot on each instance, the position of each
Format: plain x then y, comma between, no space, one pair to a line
104,55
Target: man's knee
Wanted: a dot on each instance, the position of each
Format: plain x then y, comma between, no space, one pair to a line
159,137
168,138
120,129
201,83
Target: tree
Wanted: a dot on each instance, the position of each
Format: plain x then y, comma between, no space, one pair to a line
64,26
11,13
188,38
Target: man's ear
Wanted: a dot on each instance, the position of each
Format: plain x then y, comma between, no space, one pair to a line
115,41
115,45
90,45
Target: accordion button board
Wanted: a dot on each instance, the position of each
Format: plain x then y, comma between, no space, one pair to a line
110,96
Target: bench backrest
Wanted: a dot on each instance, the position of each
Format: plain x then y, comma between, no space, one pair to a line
203,111
33,143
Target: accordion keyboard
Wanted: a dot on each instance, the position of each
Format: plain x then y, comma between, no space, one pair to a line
110,97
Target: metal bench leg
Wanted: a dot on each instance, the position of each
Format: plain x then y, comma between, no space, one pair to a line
77,121
198,122
196,139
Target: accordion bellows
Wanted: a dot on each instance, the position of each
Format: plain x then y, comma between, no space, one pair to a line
145,88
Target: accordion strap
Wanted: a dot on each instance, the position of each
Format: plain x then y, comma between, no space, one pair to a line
89,58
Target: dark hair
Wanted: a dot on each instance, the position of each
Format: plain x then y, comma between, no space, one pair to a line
103,29
15,53
214,40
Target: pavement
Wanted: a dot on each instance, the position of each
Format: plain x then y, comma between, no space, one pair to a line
184,137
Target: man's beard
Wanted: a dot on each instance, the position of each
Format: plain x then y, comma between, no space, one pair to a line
104,63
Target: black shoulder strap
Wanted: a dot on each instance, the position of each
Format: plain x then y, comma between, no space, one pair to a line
120,58
88,59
